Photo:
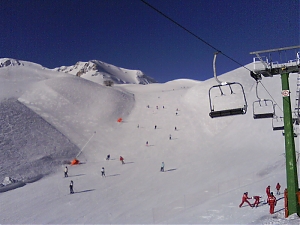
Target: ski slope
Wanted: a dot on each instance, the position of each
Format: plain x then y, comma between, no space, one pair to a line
209,163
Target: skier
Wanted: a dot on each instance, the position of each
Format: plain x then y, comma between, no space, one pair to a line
146,143
272,202
138,126
170,137
103,172
245,199
162,168
108,157
175,128
268,191
71,187
256,200
278,186
66,171
122,159
155,127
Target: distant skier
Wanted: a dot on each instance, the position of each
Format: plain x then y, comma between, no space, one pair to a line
162,168
155,127
245,199
122,159
66,171
255,204
176,113
170,137
175,128
103,172
108,157
138,126
71,187
272,202
156,107
146,143
278,186
268,191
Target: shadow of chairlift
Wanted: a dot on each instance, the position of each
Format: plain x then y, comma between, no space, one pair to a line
229,111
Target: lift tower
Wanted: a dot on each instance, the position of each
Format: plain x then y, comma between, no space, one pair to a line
268,69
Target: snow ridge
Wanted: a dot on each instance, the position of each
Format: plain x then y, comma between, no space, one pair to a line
99,71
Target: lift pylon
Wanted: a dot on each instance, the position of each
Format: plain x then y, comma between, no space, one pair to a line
268,69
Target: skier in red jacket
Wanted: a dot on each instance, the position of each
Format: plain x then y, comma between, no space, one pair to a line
256,200
122,159
245,199
268,191
272,202
278,188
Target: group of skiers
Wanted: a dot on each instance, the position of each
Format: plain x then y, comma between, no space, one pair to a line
155,126
271,199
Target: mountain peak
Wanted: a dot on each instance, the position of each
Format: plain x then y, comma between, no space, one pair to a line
99,71
4,62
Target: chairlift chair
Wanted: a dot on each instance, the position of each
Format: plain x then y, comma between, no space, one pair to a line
277,123
263,108
224,90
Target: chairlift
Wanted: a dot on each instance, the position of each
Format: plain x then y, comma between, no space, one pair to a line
226,90
263,108
278,123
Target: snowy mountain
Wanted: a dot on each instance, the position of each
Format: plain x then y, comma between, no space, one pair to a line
47,118
98,72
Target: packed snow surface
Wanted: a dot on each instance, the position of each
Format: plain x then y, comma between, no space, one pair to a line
49,117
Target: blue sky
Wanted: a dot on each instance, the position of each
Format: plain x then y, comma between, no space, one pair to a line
129,34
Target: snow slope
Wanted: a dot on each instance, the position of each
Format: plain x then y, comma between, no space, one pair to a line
209,163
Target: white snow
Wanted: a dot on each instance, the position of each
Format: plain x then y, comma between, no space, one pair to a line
98,71
209,163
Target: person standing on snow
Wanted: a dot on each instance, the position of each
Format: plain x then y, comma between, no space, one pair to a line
122,159
108,157
170,137
162,168
71,187
255,204
103,172
66,171
245,199
278,186
268,191
272,202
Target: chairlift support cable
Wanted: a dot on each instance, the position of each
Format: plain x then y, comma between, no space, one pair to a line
193,34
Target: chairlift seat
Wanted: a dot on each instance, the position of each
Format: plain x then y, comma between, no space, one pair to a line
263,115
278,128
227,112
